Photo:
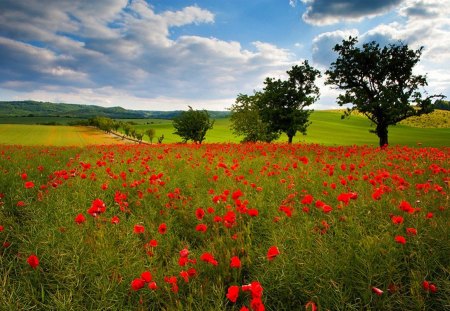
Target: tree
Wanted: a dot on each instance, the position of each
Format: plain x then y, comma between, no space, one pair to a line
379,83
192,125
246,121
151,134
281,105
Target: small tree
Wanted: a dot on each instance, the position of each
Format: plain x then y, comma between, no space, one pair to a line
246,120
192,125
139,136
151,133
379,83
282,103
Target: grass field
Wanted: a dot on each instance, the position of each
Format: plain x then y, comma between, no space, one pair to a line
327,128
44,135
224,226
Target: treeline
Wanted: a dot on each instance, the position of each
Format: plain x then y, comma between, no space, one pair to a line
109,125
442,104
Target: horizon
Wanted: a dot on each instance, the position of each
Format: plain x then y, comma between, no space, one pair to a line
166,55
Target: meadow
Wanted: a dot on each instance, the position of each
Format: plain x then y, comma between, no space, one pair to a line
326,128
224,227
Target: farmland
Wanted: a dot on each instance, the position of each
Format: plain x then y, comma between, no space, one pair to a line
327,128
223,227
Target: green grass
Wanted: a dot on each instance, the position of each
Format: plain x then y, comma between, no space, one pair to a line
327,128
330,257
38,120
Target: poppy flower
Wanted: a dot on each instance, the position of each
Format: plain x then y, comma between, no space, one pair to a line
162,228
235,262
138,229
24,176
146,276
33,261
152,285
79,219
233,293
115,220
2,228
400,239
209,258
97,207
397,219
311,306
199,213
184,253
137,284
201,227
29,184
185,276
153,243
377,291
411,231
272,252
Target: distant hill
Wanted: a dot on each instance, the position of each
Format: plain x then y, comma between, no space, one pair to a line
30,108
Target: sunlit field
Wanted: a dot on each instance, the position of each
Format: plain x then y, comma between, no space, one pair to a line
224,227
45,135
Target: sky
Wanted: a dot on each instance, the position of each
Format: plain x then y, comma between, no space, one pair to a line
171,54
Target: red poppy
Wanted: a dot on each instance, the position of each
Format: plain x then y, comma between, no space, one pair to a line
29,184
97,207
235,262
115,220
233,293
152,285
24,176
397,219
185,276
162,228
411,231
79,219
153,243
209,258
201,227
272,252
377,291
199,213
33,261
2,228
310,306
137,284
146,276
139,229
400,239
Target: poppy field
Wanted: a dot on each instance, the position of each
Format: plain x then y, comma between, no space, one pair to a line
224,227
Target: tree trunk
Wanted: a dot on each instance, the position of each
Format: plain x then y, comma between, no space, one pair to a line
290,139
382,132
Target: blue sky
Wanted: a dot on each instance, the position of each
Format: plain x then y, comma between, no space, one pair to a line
168,54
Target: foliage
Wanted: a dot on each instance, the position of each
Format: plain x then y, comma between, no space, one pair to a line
246,121
379,82
442,104
282,102
151,133
343,228
192,125
436,119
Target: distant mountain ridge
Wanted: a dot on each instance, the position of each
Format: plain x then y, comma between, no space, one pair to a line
30,108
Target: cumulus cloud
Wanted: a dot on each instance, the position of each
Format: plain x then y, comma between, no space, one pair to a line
326,12
128,47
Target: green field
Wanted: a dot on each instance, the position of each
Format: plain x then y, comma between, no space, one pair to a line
327,128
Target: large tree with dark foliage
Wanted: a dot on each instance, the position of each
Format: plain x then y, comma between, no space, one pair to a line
192,125
282,102
379,82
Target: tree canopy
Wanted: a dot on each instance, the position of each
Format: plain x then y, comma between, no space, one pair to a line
279,108
379,82
192,125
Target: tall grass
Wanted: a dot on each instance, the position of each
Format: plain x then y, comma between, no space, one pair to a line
328,210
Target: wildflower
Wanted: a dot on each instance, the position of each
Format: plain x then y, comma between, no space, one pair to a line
201,227
400,239
79,219
235,262
115,220
162,228
137,284
2,228
184,253
97,207
33,261
377,291
209,258
29,184
411,231
199,213
153,243
146,276
272,252
233,293
311,306
152,285
397,219
138,229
